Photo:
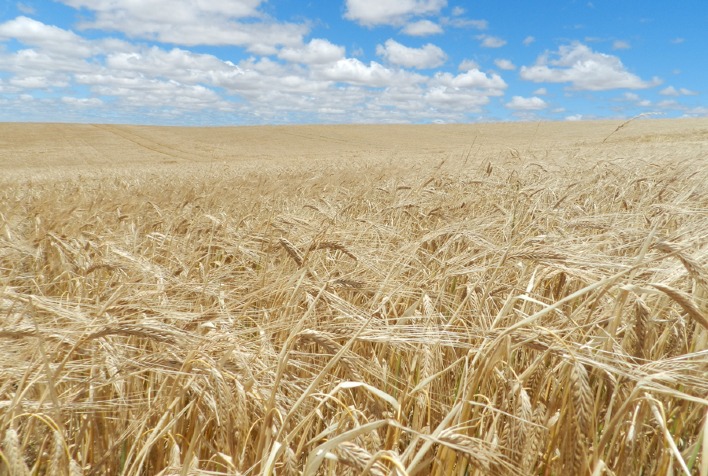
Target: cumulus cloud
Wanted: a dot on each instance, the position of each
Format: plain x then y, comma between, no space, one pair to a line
32,62
620,45
466,23
317,51
449,97
520,103
504,64
422,28
314,80
491,41
139,91
82,102
188,22
176,64
177,11
39,82
635,99
47,37
26,9
698,111
428,56
445,97
287,77
668,103
528,40
390,12
467,64
465,93
584,69
492,84
353,71
672,91
456,100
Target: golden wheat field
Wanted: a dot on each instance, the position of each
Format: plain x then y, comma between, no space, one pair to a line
491,299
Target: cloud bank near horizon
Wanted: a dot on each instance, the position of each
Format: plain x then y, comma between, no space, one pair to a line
248,62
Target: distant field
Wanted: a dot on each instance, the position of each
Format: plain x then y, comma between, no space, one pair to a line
33,146
454,299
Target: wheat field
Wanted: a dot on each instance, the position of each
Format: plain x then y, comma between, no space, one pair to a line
448,300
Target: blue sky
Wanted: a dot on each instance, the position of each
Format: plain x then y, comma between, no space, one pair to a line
242,62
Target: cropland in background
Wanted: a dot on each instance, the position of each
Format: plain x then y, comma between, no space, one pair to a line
444,299
35,146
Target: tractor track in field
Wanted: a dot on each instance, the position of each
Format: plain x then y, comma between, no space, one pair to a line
145,143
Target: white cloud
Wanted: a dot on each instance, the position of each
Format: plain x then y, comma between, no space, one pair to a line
520,103
317,51
504,64
50,38
189,22
678,41
698,111
264,79
634,98
406,97
35,68
428,56
82,102
353,71
422,28
288,78
493,84
315,81
176,64
177,11
491,41
528,40
140,92
574,117
38,82
584,69
447,96
26,9
668,103
466,23
467,64
672,91
456,100
620,45
5,88
390,12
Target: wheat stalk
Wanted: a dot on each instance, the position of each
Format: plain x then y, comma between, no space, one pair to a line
294,253
16,465
357,457
452,324
685,302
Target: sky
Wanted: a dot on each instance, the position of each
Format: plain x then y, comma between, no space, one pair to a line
248,62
